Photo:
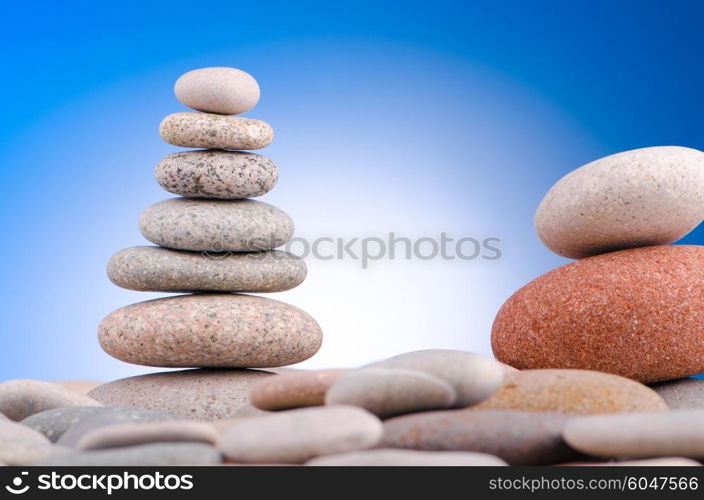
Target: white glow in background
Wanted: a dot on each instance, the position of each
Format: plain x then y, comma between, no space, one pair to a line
371,139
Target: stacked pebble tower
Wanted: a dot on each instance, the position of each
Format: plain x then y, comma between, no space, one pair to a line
214,239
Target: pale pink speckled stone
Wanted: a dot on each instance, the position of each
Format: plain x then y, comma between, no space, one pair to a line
213,330
294,389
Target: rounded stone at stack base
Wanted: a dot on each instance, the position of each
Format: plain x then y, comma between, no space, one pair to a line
210,330
223,175
215,226
194,394
639,435
206,130
164,270
572,391
294,389
228,91
649,196
635,313
518,437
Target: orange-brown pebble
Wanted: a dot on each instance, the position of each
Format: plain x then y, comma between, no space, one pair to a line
635,313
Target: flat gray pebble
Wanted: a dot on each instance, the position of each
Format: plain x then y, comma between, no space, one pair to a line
110,416
152,455
683,394
53,423
296,436
24,397
386,392
159,269
474,377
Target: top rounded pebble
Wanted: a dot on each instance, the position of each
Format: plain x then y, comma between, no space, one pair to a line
226,91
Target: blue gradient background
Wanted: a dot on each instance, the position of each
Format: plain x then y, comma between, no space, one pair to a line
410,117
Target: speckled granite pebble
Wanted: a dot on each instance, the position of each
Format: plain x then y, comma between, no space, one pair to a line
153,455
115,436
682,394
474,377
294,389
649,196
296,436
572,391
213,330
228,91
639,435
23,397
22,445
216,225
224,175
193,394
206,130
643,304
406,458
386,392
53,423
165,270
108,417
519,438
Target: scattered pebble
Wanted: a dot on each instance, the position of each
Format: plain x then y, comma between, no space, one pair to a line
206,130
296,436
683,394
386,392
22,445
639,435
109,417
635,313
293,389
407,458
519,438
474,377
572,391
151,455
215,226
210,330
192,394
53,423
23,397
116,436
228,91
638,198
648,462
223,175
